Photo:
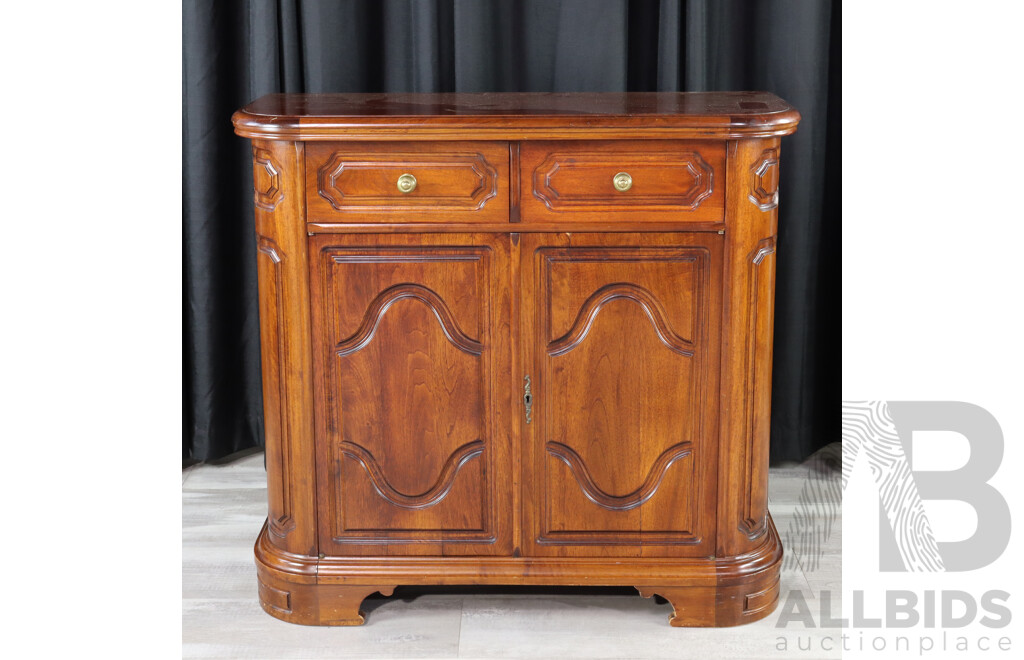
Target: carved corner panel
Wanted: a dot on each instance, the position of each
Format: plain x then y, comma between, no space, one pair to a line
764,180
266,179
405,369
621,440
757,366
279,434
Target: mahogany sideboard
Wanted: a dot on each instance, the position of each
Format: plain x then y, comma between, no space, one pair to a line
517,339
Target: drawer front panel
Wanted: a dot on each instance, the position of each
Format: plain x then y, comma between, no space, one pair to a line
618,181
414,182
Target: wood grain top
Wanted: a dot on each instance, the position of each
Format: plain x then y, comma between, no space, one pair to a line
516,116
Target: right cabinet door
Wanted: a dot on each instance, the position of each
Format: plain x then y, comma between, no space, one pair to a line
621,346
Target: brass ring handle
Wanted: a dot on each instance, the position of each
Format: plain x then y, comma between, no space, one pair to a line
622,181
406,184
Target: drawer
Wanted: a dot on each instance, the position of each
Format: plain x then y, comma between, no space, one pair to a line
375,182
623,181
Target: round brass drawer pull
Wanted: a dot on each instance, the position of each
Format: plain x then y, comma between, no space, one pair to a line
406,184
622,181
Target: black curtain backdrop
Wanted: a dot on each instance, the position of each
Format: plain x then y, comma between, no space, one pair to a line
235,51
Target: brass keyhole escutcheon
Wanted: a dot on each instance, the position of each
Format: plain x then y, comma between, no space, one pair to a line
528,399
406,184
622,181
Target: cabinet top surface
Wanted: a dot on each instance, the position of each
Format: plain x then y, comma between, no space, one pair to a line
516,116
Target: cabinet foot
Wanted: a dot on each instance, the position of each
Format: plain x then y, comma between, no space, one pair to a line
314,604
340,606
718,606
691,606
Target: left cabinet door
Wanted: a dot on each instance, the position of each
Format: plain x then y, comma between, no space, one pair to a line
411,392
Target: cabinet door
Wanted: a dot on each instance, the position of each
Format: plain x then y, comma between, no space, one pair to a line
621,343
412,373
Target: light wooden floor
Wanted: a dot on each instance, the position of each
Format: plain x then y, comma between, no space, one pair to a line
223,508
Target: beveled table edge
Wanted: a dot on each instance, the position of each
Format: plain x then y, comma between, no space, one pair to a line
511,123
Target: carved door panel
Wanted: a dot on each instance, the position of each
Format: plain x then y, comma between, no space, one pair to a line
620,340
412,393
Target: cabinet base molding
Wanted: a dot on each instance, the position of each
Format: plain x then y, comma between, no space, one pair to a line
706,592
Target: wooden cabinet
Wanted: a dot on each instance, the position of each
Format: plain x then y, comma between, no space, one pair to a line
517,339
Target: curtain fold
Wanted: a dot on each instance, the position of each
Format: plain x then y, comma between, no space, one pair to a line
235,51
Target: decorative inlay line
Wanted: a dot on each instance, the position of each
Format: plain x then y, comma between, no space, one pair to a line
269,196
619,502
764,185
428,498
387,298
283,522
620,290
754,523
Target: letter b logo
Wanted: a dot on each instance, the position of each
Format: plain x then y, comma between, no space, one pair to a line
883,431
